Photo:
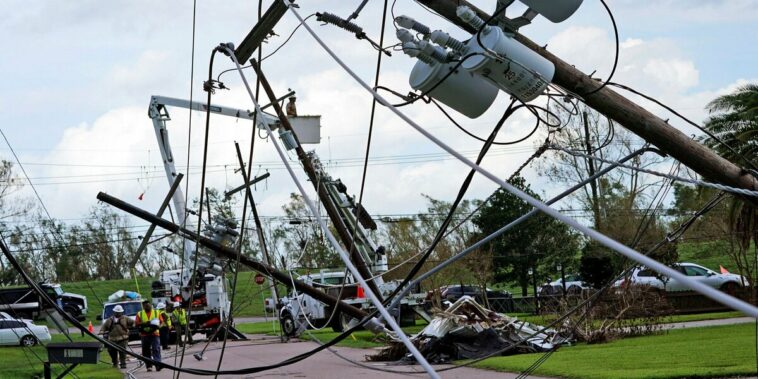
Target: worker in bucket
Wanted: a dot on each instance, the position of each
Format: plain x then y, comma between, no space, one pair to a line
291,108
179,320
116,330
149,323
165,325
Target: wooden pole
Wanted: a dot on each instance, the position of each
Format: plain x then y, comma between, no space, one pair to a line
326,201
636,119
229,253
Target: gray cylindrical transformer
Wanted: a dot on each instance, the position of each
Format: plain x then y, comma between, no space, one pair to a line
524,73
469,94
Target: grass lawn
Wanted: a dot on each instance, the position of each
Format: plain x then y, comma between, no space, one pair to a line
710,254
717,351
546,319
249,296
362,339
18,362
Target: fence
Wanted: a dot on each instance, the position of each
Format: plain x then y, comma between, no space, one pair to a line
684,302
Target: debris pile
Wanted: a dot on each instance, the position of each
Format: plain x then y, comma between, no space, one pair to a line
467,330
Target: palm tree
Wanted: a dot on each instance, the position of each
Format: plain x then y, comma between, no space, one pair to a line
734,121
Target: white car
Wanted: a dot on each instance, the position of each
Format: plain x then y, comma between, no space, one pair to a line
644,276
22,333
574,284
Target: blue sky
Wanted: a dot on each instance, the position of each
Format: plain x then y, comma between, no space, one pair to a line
79,74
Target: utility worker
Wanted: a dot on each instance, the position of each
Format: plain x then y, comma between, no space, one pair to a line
116,330
149,322
291,108
165,325
179,321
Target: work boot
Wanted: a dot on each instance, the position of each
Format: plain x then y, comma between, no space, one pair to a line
123,365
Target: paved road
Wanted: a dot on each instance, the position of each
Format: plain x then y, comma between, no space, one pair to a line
262,350
699,324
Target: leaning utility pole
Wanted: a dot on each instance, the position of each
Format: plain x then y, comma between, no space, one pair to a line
233,254
310,170
622,110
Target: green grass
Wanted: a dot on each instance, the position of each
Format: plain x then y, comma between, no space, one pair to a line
362,339
18,362
718,351
249,296
709,254
546,319
270,327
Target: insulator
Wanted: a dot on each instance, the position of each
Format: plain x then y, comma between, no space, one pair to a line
339,22
404,35
443,39
412,24
469,16
435,52
412,49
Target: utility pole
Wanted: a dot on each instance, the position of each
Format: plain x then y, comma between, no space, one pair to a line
591,171
310,170
233,254
636,119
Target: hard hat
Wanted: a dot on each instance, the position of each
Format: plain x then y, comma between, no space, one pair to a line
177,304
118,309
161,306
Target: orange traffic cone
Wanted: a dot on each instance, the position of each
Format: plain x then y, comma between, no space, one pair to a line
360,293
90,328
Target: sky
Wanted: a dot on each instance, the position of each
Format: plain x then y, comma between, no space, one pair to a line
78,76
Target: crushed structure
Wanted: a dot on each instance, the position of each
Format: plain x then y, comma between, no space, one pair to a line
467,330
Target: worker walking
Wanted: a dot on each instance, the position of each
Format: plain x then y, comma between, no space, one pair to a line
116,330
149,323
178,318
165,325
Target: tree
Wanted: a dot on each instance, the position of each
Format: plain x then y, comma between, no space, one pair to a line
621,204
527,245
303,240
591,134
405,238
734,121
11,207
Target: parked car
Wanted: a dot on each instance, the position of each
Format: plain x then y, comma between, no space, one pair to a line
22,333
644,276
455,292
574,284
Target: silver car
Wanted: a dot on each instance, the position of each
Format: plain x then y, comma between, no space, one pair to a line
644,276
22,333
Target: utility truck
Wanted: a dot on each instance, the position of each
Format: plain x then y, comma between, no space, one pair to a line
298,311
24,301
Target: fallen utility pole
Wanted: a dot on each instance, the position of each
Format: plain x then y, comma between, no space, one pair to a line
622,110
151,229
230,253
331,211
258,225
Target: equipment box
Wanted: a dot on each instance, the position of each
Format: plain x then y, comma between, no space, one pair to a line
74,352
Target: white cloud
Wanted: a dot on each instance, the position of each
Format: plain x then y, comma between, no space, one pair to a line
119,134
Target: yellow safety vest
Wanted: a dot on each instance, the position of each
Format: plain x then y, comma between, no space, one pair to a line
181,316
144,320
165,320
